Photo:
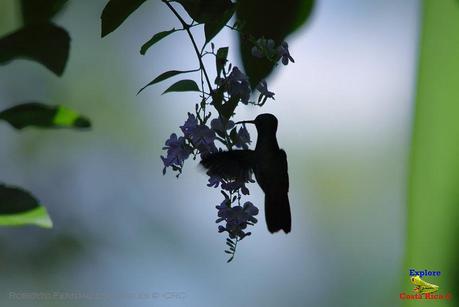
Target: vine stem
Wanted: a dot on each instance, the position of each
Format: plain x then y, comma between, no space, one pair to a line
186,27
235,246
193,41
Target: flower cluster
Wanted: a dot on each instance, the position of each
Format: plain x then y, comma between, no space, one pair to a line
236,85
200,136
197,139
177,152
236,218
242,139
220,126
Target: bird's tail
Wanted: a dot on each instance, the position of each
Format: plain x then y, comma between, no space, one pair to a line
277,212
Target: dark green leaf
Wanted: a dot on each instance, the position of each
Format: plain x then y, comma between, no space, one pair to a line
18,207
34,11
15,200
183,86
156,38
45,43
228,252
115,12
164,76
212,28
220,60
230,259
44,116
229,241
213,13
257,18
203,11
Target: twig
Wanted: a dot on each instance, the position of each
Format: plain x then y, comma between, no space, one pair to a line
187,29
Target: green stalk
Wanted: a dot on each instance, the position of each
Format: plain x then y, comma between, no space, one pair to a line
433,195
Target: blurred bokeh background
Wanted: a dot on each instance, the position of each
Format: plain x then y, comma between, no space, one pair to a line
344,110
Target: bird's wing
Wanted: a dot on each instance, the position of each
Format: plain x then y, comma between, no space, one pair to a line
235,164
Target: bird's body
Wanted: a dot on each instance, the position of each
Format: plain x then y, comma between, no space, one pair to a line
269,164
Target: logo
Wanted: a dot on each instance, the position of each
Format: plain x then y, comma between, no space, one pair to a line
424,290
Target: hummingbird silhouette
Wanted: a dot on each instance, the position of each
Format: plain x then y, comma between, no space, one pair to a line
269,164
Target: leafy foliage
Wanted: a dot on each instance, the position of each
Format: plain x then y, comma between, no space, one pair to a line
164,76
43,116
41,41
45,43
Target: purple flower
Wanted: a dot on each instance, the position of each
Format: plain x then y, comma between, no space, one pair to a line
237,218
218,125
237,75
251,211
190,124
282,52
224,210
257,52
263,47
243,138
232,186
214,181
237,85
177,152
203,139
201,136
262,87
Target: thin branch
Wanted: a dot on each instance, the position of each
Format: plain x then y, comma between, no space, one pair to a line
187,29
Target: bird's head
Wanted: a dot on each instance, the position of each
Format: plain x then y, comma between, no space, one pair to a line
265,123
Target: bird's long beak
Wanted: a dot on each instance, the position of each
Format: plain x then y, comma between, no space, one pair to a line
245,122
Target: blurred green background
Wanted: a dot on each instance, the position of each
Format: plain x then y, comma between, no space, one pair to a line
345,111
